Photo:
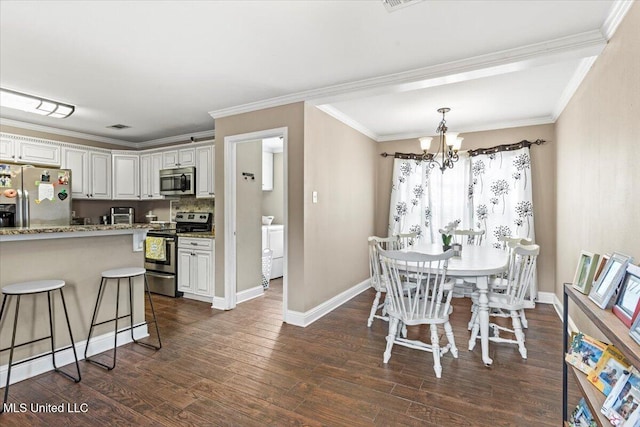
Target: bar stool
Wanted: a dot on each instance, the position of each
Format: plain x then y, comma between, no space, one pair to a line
117,274
18,290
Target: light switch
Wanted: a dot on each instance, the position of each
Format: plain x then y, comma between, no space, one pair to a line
314,197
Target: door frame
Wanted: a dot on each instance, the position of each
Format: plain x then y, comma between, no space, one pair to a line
230,168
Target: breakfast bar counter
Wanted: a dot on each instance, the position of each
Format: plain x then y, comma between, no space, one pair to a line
77,254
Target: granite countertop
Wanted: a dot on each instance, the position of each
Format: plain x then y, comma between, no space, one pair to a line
72,228
199,234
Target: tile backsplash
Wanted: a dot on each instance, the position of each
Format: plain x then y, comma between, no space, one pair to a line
191,204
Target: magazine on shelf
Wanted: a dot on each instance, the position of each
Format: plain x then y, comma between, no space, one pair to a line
609,369
622,405
581,416
584,352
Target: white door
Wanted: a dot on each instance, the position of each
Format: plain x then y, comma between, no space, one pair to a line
78,161
100,175
184,270
203,261
126,176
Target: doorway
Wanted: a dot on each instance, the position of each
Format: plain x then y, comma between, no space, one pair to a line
239,182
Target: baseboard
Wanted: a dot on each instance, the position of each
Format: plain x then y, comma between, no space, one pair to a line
248,294
202,298
305,319
546,298
557,304
99,344
219,303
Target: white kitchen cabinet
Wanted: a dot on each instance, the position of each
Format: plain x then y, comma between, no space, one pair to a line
90,172
126,177
273,238
150,165
205,171
22,150
179,158
100,175
196,268
267,171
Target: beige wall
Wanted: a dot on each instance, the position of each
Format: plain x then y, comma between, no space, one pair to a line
598,152
340,164
248,216
273,201
326,251
292,117
543,159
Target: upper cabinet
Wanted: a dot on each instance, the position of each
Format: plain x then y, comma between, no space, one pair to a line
179,158
205,171
99,173
126,176
267,171
90,172
150,165
26,150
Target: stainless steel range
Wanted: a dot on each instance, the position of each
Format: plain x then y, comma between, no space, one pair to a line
161,256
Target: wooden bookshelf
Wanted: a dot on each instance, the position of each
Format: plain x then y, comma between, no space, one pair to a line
617,333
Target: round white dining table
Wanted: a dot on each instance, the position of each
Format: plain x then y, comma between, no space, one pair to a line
475,265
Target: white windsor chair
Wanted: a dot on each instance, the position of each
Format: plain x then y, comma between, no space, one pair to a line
429,304
511,301
377,279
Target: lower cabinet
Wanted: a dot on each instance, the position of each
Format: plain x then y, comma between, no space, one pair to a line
196,268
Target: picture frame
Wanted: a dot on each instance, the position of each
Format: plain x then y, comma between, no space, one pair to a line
585,271
622,405
609,279
600,266
635,330
627,304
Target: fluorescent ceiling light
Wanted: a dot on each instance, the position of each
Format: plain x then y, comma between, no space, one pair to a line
34,104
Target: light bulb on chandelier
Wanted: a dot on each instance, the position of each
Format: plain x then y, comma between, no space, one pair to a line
448,148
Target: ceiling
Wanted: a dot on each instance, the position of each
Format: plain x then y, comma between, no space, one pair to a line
167,69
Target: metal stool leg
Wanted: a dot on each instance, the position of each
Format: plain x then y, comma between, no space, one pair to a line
93,323
73,347
93,318
153,312
146,290
13,343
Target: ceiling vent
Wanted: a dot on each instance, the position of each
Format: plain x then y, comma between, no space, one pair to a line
393,5
118,127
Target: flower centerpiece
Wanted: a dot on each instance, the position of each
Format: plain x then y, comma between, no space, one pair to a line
447,234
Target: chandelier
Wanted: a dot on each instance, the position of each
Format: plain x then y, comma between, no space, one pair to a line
447,152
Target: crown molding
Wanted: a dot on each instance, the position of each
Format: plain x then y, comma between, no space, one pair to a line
576,46
340,116
96,138
617,12
573,85
543,120
64,132
179,138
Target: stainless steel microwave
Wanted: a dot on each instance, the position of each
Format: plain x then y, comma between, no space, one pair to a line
178,182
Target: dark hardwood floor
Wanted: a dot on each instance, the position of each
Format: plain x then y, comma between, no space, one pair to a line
246,368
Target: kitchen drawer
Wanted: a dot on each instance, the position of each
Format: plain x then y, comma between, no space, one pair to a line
193,243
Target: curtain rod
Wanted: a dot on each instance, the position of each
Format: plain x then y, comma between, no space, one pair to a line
505,147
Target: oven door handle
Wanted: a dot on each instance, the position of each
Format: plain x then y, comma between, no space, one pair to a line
183,182
160,275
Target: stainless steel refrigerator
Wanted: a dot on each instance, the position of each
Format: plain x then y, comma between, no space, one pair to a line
35,196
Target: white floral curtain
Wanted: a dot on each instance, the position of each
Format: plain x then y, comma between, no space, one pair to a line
502,196
424,200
